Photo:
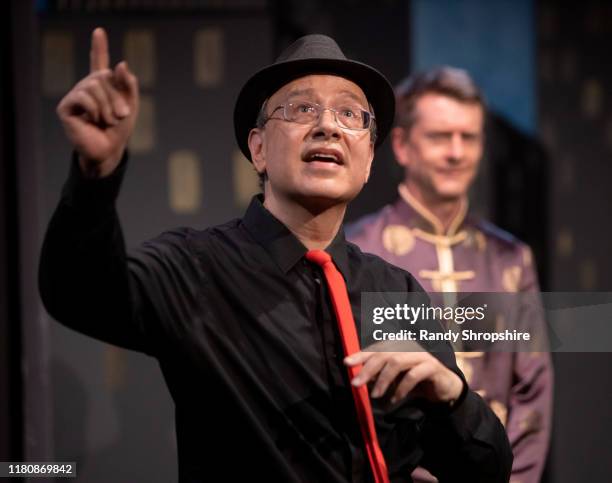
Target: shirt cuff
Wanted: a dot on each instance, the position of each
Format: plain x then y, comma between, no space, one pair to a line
465,418
95,194
464,391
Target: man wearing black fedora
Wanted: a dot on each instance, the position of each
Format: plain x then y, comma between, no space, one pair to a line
253,322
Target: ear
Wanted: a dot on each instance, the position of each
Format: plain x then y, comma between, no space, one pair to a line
257,148
399,142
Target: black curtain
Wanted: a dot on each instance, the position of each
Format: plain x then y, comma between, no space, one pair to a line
10,347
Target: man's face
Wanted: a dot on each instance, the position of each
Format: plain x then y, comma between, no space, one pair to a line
318,163
442,150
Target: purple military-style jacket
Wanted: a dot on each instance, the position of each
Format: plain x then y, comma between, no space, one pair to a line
473,255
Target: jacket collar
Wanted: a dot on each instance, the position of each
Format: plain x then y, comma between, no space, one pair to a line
424,218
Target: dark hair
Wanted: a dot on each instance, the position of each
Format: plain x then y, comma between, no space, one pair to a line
448,81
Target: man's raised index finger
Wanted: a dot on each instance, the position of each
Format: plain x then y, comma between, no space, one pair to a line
98,55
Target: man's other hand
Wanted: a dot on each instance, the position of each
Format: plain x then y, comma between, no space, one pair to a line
397,374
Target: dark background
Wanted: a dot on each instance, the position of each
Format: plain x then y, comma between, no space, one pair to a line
546,178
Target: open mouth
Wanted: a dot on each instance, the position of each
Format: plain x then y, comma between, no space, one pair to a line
324,156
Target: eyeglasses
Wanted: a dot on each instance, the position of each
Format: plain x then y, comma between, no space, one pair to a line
305,112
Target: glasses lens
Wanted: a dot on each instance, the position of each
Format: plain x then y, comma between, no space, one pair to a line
303,112
352,117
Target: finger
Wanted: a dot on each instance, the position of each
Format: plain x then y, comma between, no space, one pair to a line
118,102
125,80
98,55
358,358
396,364
393,366
121,109
411,379
82,103
369,371
96,89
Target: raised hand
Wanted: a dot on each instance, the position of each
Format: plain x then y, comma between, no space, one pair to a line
98,114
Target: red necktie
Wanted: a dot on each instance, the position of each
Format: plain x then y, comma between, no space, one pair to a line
350,343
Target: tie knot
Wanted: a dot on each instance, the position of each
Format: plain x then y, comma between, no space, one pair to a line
320,257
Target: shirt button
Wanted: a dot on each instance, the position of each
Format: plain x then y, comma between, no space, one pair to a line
318,281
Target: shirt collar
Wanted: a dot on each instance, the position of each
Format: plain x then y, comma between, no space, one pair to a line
282,245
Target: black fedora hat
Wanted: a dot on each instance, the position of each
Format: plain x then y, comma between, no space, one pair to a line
312,54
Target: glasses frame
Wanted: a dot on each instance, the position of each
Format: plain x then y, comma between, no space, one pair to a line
320,110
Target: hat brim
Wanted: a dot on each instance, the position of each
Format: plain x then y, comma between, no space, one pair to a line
268,80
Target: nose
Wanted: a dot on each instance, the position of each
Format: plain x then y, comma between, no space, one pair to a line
327,127
457,148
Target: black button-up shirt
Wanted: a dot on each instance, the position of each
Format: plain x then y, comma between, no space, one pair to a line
244,333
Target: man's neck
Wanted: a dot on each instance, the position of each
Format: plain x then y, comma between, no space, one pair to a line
445,210
315,227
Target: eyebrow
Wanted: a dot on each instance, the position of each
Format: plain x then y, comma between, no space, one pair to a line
354,96
299,92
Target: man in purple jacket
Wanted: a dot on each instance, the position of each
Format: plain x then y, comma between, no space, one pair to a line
438,139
